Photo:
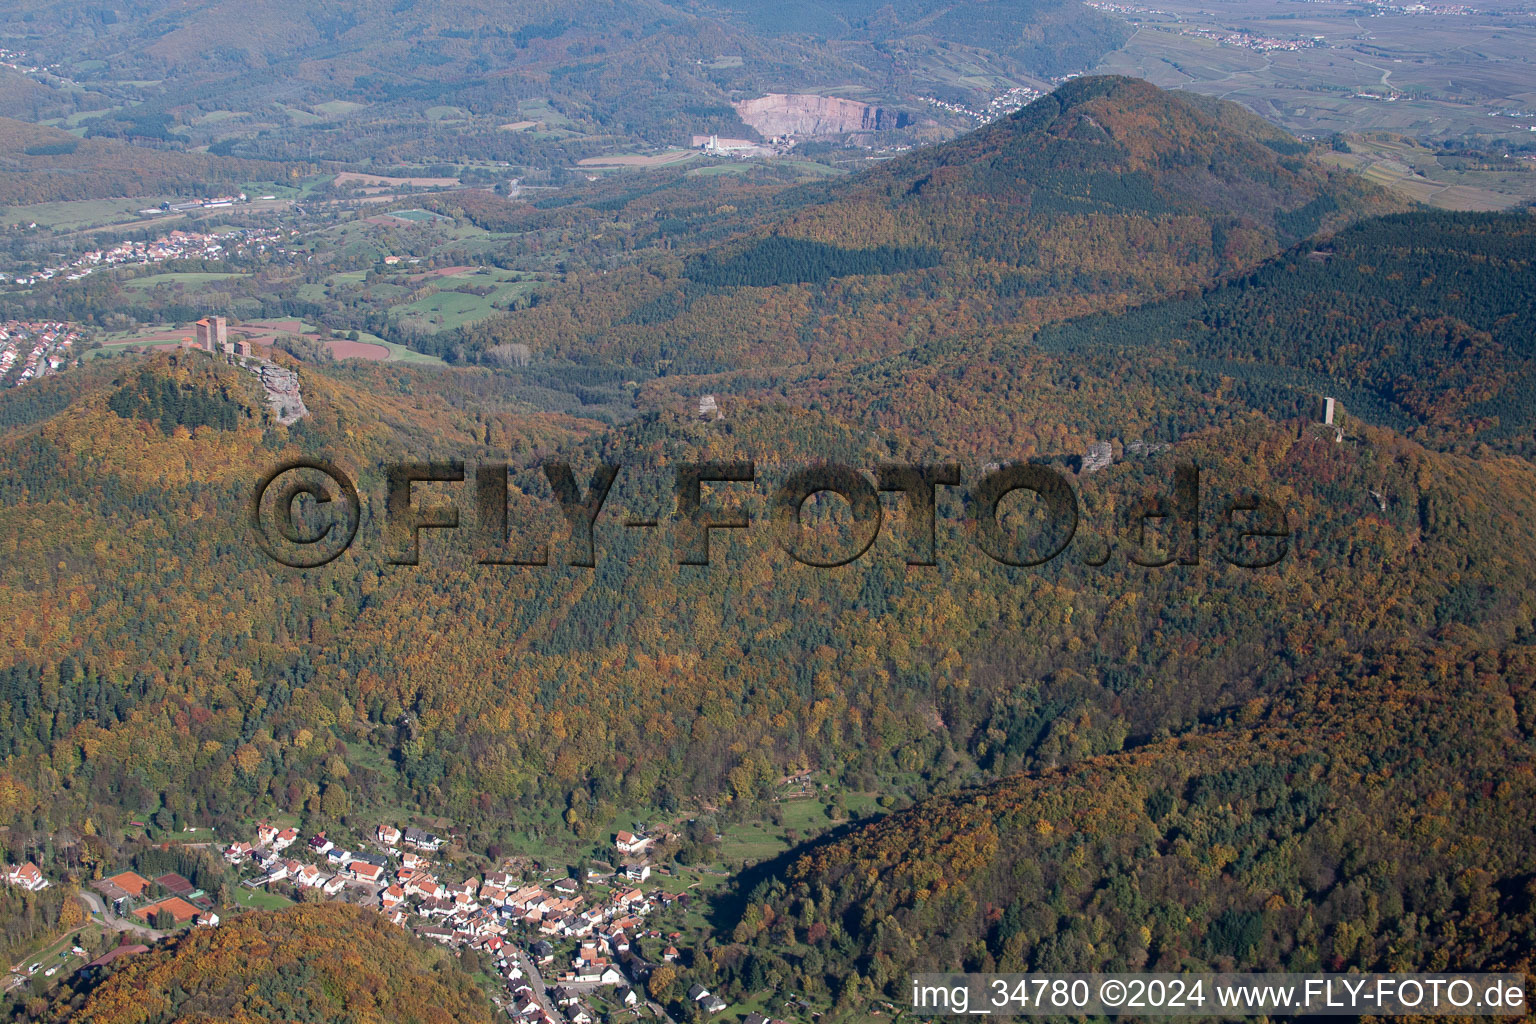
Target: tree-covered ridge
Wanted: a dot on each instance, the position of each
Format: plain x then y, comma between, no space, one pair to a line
1429,319
205,686
200,396
39,164
1087,741
326,962
1378,817
780,260
1416,321
245,706
1106,193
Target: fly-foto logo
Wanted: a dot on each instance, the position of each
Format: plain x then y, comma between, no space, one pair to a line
306,513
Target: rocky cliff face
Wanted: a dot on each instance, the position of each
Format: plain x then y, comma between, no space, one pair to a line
809,114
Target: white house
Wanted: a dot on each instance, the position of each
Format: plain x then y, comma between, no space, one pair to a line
28,876
628,843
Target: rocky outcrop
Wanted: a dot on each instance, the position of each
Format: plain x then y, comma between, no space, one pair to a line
809,114
1098,456
283,394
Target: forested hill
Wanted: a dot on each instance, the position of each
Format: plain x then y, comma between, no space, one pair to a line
1308,832
1424,321
1110,144
1107,192
319,962
1421,322
41,164
221,687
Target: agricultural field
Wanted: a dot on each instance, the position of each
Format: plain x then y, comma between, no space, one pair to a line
1428,75
187,280
414,216
1417,172
339,108
398,353
542,112
364,179
81,214
447,309
642,161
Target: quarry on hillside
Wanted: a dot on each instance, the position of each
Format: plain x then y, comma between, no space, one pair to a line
808,114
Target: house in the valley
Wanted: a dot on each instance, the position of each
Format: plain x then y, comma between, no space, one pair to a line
422,840
365,872
630,844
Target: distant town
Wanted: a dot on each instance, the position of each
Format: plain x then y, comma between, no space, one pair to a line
1016,98
1253,41
31,349
175,245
